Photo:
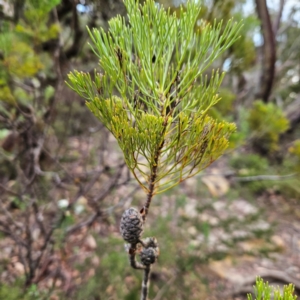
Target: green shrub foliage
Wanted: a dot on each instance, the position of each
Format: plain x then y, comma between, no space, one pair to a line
152,93
267,122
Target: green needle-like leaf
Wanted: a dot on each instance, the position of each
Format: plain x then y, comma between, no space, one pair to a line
153,91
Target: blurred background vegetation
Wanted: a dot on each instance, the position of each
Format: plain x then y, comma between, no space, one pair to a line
64,184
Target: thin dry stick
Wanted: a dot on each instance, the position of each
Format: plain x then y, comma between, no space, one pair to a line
5,189
161,292
264,177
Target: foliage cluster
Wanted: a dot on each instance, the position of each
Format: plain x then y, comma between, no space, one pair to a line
267,122
160,121
294,150
263,291
223,109
21,55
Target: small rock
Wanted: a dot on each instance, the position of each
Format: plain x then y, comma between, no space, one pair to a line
259,225
95,261
190,209
195,243
279,242
221,248
36,233
90,242
217,184
242,208
91,273
192,230
5,252
19,267
240,234
252,245
58,283
63,203
190,185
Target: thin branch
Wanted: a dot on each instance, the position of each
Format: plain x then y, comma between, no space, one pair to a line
278,18
29,249
146,283
269,50
161,292
38,217
74,48
56,55
86,223
90,220
2,187
10,217
47,240
132,260
19,242
151,188
18,10
11,234
57,162
264,177
112,185
122,201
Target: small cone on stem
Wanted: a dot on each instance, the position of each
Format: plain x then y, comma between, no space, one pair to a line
131,226
150,252
149,256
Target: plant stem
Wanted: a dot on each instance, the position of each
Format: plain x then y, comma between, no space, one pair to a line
151,188
133,262
145,283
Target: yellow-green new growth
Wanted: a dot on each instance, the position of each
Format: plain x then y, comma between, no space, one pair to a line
153,93
263,291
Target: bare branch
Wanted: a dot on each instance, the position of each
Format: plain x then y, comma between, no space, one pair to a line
264,177
278,18
269,51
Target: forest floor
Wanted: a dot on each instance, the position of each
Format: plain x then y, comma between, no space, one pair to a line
279,266
229,237
237,236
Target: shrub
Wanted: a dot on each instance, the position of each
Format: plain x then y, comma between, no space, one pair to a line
267,122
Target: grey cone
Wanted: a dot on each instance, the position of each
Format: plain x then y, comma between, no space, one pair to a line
131,226
149,256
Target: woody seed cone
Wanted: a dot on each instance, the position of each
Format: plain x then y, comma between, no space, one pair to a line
131,226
